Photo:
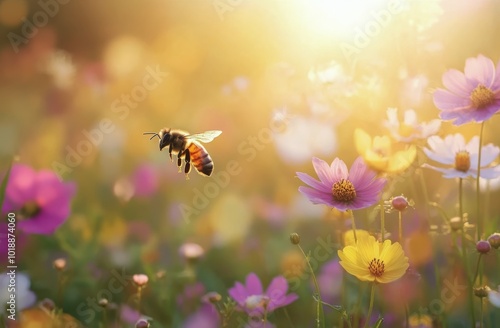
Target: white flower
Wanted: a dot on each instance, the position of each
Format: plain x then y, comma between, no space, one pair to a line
462,158
17,284
410,129
494,297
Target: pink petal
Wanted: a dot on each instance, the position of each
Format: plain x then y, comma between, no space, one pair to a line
316,196
254,287
456,82
20,187
481,70
339,170
306,178
360,172
445,100
323,171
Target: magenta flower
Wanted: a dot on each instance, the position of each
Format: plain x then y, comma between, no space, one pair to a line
460,158
41,202
251,298
473,96
340,188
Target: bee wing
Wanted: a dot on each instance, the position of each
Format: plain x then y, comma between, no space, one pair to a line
205,137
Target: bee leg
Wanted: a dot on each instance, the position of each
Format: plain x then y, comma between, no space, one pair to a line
170,152
179,162
187,168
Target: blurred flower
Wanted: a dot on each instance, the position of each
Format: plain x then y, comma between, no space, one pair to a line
130,315
379,155
410,129
40,200
339,188
413,90
461,158
145,180
211,297
142,323
251,298
420,321
60,67
333,75
205,317
471,97
140,280
299,141
494,297
371,260
494,240
349,236
59,263
191,251
330,281
24,296
189,299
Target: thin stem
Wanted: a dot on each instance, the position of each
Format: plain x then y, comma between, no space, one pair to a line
478,264
464,253
407,316
400,227
370,308
353,227
320,317
481,312
342,312
480,220
382,220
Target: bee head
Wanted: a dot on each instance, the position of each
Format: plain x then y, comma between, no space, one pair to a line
165,137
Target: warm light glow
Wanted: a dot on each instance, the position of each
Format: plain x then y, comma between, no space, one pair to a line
340,17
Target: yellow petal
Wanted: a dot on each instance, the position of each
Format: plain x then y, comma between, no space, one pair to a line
375,160
349,236
362,141
402,160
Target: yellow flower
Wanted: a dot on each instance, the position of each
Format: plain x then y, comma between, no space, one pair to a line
371,260
379,154
349,236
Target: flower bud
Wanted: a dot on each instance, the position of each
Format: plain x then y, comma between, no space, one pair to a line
142,323
481,291
103,302
47,304
212,297
59,264
494,240
295,238
483,246
399,203
140,279
456,223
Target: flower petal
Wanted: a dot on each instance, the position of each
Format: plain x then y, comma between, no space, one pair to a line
316,196
456,82
481,70
253,285
306,178
323,171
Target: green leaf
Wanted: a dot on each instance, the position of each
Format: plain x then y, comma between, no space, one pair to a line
3,187
378,324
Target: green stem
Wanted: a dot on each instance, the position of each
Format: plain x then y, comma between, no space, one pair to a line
464,253
437,275
320,317
481,312
478,264
370,308
480,220
353,227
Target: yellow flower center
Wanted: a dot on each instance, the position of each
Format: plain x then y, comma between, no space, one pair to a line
343,191
29,210
462,161
406,130
376,267
481,96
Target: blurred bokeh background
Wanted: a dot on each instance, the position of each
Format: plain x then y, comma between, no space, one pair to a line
81,81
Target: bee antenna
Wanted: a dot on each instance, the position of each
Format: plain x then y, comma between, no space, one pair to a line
153,133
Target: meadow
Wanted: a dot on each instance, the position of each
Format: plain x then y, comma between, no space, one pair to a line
355,160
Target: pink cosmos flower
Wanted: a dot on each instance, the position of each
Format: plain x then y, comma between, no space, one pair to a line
473,96
461,158
340,188
253,300
410,128
39,199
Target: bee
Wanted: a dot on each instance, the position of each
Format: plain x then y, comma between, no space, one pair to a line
188,147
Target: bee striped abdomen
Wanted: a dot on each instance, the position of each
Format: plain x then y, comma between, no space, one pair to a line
200,159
